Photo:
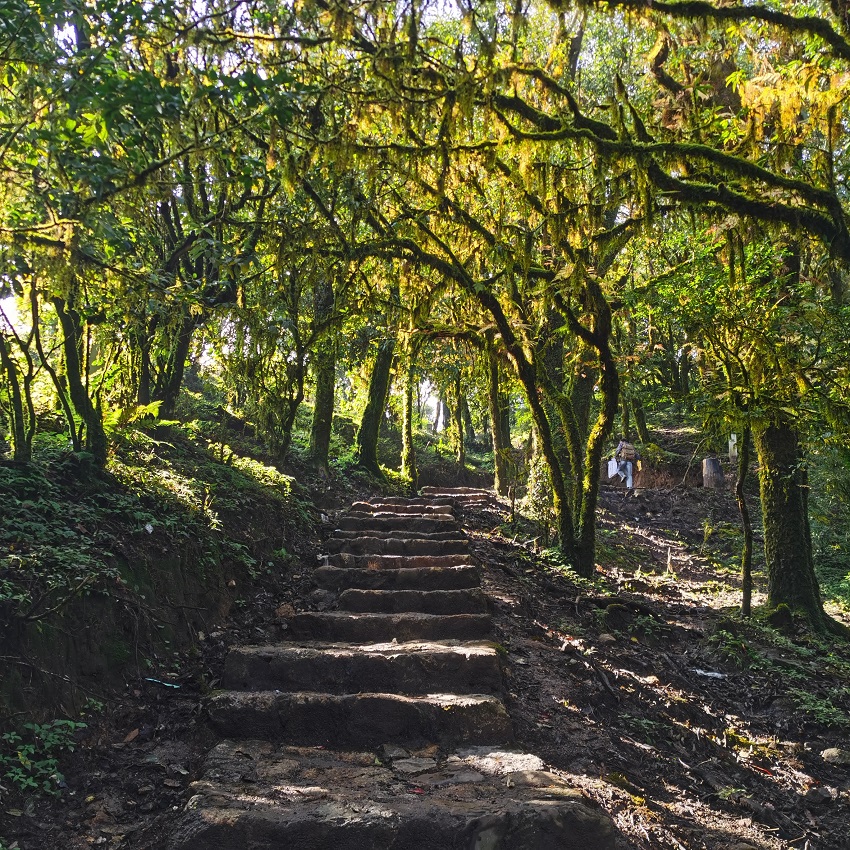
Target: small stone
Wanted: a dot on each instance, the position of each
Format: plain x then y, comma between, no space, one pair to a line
443,780
835,755
413,766
606,638
820,795
618,617
323,600
496,762
391,751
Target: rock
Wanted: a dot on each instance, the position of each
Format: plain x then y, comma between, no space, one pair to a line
606,638
413,766
496,762
835,755
322,600
618,618
391,751
820,795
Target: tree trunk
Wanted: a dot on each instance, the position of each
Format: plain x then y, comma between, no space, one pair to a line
581,390
295,380
609,381
72,334
370,423
626,418
457,424
787,536
746,524
468,427
20,448
500,450
640,420
143,343
324,365
168,390
408,452
58,382
324,360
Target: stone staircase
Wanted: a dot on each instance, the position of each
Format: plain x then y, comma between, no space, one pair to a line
381,724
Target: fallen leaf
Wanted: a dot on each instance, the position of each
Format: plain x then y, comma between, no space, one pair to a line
131,736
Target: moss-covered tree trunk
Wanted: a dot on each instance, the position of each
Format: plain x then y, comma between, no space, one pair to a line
295,395
501,468
581,388
783,486
20,446
370,423
746,525
95,441
625,418
457,423
324,370
468,427
640,420
171,379
59,383
408,452
324,366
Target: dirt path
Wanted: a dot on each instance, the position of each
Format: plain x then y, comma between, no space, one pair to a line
690,728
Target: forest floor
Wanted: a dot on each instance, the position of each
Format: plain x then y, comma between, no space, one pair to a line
691,727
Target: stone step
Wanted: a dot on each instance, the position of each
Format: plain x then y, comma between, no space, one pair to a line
396,546
396,562
416,501
361,521
455,533
343,627
431,492
262,796
424,509
464,496
416,667
411,578
361,720
424,601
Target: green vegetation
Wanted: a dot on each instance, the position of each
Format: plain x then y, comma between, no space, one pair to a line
29,762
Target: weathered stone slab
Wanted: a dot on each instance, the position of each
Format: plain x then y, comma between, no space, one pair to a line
264,797
424,601
357,521
411,578
344,627
404,668
396,546
418,508
398,534
371,561
361,720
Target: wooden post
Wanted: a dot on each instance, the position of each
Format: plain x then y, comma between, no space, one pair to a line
712,473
